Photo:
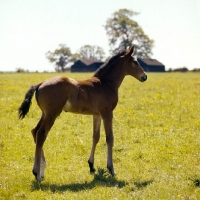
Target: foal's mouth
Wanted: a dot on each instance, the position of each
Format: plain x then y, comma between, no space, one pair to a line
143,78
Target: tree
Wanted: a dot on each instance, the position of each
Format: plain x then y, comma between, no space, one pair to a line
61,57
123,32
91,52
20,70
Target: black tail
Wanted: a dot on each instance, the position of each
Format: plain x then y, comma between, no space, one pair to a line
24,108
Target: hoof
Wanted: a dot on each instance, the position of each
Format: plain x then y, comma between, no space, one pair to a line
111,171
91,165
40,179
35,174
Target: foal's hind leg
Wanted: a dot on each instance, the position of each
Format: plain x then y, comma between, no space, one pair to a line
40,139
34,130
96,136
43,161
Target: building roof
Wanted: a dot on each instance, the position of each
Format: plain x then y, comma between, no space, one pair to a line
89,61
150,61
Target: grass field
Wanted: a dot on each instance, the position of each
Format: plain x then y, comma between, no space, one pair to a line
156,151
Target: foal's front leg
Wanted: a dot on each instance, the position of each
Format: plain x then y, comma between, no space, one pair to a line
107,120
96,136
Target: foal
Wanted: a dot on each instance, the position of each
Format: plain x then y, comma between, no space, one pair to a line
97,96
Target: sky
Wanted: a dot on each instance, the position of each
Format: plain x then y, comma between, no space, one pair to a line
30,28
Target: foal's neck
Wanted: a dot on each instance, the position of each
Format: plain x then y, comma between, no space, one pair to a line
115,76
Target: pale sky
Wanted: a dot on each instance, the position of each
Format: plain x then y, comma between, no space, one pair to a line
30,28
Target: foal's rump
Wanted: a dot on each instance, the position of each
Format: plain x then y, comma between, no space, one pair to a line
50,95
53,93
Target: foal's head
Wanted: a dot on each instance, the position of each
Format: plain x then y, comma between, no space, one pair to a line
133,67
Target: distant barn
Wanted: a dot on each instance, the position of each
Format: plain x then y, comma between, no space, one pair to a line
85,65
151,65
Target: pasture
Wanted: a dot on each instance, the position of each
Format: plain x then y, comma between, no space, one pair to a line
156,151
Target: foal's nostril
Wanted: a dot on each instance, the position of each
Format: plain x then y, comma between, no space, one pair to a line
144,78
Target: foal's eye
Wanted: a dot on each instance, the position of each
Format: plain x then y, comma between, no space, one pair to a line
136,62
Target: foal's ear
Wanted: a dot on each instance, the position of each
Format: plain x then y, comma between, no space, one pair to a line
131,51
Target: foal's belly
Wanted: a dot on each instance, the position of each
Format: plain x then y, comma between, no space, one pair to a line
79,109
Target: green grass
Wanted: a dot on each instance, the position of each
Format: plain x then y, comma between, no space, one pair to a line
156,151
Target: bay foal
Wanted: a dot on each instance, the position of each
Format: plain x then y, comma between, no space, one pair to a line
97,96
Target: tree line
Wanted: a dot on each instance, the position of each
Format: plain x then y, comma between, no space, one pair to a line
122,32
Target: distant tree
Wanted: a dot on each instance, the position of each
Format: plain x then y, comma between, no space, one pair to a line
91,52
196,70
170,70
181,69
20,70
123,32
62,57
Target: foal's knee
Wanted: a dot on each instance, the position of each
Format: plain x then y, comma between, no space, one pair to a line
110,139
96,138
33,131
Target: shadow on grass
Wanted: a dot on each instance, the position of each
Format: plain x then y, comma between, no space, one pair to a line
101,178
141,185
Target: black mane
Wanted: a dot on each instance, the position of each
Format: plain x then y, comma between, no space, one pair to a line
104,68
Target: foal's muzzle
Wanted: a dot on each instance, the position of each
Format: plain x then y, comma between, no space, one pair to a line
143,77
